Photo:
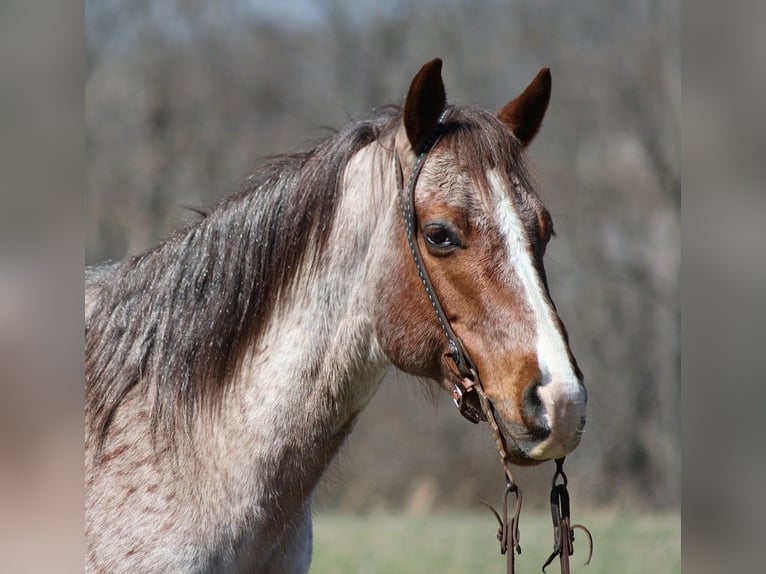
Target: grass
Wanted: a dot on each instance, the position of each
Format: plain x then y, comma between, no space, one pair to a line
465,543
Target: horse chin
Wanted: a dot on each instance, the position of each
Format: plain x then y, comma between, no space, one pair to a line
519,448
528,454
518,457
527,448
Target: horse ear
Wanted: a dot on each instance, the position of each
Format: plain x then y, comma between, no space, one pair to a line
425,103
524,114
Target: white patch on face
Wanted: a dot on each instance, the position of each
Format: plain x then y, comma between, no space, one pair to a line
561,393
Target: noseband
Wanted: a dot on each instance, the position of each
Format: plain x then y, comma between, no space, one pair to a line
468,393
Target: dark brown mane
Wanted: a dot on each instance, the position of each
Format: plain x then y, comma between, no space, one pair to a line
178,317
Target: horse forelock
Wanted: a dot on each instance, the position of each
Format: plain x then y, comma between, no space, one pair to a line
176,321
480,142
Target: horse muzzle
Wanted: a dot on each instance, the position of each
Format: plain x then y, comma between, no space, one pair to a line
548,424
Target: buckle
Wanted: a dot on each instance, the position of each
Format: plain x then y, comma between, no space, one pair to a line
461,393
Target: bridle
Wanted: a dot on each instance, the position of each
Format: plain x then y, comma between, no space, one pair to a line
468,393
464,393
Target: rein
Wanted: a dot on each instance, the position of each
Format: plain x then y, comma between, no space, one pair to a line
470,399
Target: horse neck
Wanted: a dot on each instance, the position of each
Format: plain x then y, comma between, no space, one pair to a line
300,389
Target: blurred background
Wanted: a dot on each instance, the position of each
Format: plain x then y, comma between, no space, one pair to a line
184,98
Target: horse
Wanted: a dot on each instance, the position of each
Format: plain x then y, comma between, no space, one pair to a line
225,367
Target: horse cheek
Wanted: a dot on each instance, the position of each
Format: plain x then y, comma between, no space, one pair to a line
404,323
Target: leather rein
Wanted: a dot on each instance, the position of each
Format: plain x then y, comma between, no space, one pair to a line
470,399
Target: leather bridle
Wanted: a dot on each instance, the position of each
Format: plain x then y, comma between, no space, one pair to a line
464,392
468,393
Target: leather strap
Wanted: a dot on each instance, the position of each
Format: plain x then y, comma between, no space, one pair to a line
468,393
563,532
463,391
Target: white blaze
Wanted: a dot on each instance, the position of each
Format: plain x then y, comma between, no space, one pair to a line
561,393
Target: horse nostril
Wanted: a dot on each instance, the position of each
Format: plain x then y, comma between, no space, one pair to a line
534,413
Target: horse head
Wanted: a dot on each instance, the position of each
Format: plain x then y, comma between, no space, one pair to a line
481,231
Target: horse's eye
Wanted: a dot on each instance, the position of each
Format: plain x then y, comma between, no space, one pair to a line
440,237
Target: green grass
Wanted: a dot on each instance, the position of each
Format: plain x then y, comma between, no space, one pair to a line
465,543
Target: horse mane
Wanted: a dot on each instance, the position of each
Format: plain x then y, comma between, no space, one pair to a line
179,317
